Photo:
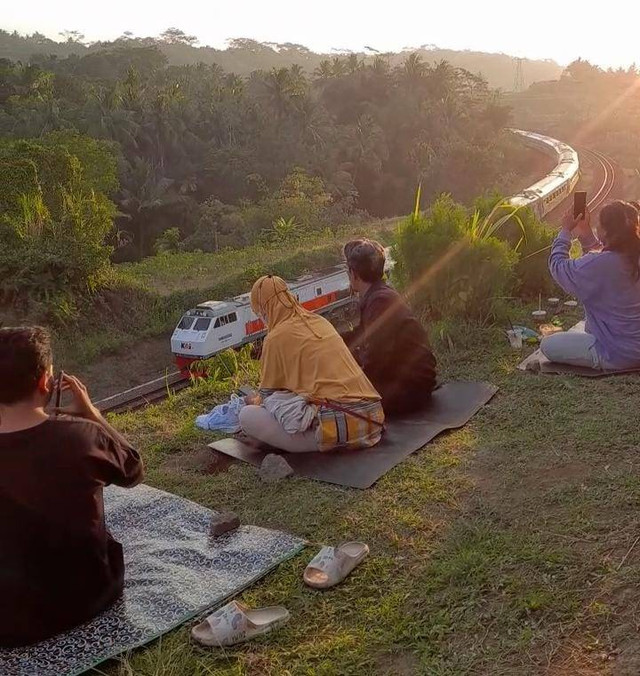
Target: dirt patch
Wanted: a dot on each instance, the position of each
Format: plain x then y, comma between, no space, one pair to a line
404,664
571,473
492,483
144,360
575,660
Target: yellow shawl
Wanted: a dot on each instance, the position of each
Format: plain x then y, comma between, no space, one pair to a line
302,351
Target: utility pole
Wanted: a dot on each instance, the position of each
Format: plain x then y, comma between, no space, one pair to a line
518,81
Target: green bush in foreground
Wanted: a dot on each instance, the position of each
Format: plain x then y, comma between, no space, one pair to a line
54,219
531,238
454,264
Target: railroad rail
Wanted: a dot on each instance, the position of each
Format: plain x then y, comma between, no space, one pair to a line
145,394
609,180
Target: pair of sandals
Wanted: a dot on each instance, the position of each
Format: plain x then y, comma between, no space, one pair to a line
236,622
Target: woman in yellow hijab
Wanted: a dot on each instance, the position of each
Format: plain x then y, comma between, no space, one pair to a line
304,354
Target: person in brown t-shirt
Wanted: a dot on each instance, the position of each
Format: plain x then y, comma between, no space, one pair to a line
59,566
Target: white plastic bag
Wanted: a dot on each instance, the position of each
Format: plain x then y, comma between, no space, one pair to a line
224,417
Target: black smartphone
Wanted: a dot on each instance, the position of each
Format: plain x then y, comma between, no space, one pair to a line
579,203
59,389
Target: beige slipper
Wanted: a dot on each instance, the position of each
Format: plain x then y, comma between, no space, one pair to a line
237,623
332,564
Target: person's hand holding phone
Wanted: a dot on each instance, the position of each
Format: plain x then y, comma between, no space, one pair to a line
582,227
577,225
81,405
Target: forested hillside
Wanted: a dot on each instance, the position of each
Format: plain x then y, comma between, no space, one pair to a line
588,106
243,56
207,159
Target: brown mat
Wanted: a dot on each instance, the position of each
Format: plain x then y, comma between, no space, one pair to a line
452,406
536,362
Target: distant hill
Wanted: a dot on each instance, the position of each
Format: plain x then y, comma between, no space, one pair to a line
244,56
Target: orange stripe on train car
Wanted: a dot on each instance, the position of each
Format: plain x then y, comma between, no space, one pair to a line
254,326
257,325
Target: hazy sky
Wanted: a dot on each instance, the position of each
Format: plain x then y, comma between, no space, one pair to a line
511,26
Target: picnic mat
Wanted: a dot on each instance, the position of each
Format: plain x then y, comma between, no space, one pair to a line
538,363
452,405
174,571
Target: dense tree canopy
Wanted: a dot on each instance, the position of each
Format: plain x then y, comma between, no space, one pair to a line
185,135
242,56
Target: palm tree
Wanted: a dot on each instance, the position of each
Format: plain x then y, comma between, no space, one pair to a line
144,194
353,64
442,80
338,66
413,69
380,66
324,71
367,145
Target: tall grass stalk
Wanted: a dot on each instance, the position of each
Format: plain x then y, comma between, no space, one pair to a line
489,226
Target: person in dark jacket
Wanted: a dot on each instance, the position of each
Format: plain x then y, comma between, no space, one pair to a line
390,344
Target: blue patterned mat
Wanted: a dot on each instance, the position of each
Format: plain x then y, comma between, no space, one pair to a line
174,571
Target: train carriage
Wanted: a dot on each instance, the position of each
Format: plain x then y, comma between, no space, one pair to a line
214,326
547,193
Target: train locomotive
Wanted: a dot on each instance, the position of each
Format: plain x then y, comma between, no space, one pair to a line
214,326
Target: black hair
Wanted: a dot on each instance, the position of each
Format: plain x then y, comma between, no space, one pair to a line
620,223
25,354
366,258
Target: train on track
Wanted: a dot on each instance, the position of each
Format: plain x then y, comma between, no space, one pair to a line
556,186
214,326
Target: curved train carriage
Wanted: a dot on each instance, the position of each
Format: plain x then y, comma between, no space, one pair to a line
214,326
549,192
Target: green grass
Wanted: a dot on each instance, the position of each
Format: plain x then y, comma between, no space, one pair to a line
168,273
498,549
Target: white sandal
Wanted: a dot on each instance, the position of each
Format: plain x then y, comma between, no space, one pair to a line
332,564
236,623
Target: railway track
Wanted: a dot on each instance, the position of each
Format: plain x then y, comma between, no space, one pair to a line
145,394
609,178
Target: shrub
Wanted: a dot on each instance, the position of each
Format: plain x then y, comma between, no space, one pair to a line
54,219
533,238
219,226
300,199
168,242
447,270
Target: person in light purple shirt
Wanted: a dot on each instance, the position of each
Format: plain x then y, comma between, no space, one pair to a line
606,279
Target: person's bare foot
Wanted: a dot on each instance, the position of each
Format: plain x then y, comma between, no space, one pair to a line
249,441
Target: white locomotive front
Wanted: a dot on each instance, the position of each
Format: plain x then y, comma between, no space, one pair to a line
214,326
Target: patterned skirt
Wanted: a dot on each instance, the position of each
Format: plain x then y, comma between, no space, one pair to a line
350,425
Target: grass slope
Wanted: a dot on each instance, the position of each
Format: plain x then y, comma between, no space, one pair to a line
502,548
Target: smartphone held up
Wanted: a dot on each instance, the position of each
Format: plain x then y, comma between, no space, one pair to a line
59,380
579,203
